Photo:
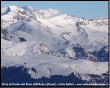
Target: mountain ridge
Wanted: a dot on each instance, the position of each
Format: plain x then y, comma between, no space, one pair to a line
50,41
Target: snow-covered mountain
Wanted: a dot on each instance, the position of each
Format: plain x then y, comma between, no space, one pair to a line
53,43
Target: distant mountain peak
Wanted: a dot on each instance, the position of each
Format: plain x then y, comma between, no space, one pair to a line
29,8
9,8
13,7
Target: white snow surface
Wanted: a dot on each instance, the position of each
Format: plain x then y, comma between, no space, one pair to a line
53,29
86,32
50,65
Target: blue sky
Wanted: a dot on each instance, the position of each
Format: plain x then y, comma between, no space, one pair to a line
86,9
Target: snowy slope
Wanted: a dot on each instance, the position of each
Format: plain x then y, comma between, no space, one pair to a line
50,65
53,43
